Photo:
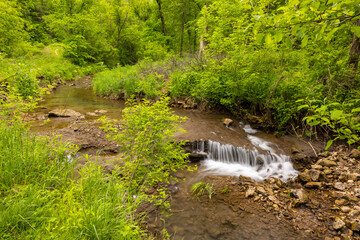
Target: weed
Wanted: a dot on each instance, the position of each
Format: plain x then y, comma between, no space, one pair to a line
202,188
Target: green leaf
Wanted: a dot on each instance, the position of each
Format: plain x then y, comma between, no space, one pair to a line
288,42
330,35
268,39
315,122
328,144
304,41
259,38
337,114
302,107
355,110
356,30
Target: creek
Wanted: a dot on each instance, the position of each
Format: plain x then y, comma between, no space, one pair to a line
231,151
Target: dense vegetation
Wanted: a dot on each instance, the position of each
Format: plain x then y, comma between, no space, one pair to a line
292,63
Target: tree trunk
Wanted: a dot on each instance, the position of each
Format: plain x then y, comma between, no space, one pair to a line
182,31
161,17
355,51
203,42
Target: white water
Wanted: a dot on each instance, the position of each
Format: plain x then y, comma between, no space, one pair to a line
225,159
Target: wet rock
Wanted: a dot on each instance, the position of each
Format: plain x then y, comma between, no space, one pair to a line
228,122
299,157
294,150
324,154
250,192
197,157
357,192
317,167
101,111
338,224
355,153
354,176
301,196
259,161
327,163
340,186
261,190
254,119
340,202
65,113
313,185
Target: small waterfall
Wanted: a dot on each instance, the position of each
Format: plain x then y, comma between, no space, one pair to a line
225,159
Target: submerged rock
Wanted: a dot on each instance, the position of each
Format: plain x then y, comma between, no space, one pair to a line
338,224
65,113
301,196
339,186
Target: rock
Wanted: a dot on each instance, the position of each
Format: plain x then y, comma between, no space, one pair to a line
254,119
355,153
227,122
91,114
314,174
313,185
357,192
250,192
272,198
316,167
354,176
197,157
340,202
338,224
305,176
259,161
65,113
301,195
294,150
355,225
101,111
354,213
299,157
345,209
261,190
324,154
340,186
327,163
327,171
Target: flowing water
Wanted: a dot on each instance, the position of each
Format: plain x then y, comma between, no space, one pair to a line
236,150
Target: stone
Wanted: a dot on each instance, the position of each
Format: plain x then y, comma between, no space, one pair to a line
301,196
305,176
327,171
272,198
228,122
338,224
355,225
313,185
299,157
91,114
317,167
345,209
294,150
354,176
314,175
340,186
357,192
259,161
341,201
65,113
197,157
261,190
250,192
327,163
101,111
355,153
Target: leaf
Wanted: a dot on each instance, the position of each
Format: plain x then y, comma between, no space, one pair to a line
328,144
330,35
257,17
356,30
337,114
314,123
278,36
304,41
259,38
355,110
288,42
268,39
302,107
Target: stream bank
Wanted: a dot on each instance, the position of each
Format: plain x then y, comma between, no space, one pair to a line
314,205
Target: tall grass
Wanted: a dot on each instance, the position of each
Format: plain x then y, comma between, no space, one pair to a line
40,198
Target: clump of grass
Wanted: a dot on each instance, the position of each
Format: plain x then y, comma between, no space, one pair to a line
202,188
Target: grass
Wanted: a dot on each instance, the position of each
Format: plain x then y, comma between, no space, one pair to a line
202,188
41,199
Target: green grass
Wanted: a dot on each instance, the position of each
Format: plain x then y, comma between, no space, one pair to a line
41,199
202,188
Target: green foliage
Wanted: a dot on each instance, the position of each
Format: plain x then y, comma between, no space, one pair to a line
148,145
202,188
341,118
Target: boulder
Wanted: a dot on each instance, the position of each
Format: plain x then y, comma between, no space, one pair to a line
259,161
228,122
65,113
197,157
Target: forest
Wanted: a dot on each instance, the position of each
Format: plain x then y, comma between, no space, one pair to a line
291,65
